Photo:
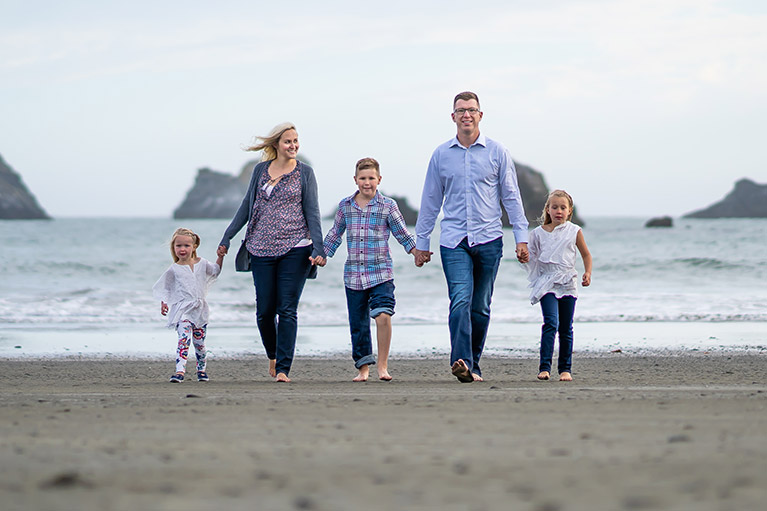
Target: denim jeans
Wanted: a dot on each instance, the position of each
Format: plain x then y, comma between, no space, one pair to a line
557,317
279,282
363,305
470,273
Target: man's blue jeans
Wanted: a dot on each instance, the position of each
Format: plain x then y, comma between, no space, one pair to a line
557,317
363,305
279,283
470,273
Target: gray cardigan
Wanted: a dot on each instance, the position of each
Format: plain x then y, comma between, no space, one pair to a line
309,203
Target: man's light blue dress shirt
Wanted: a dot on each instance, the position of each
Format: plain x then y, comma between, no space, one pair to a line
469,185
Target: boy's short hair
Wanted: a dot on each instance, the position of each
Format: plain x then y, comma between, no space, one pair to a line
367,163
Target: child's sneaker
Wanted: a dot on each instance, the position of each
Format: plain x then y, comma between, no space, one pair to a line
177,378
202,376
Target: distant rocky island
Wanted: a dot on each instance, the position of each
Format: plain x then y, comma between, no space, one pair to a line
218,195
747,200
16,201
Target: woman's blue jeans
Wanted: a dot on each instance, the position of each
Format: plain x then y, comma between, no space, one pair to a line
470,273
279,282
557,317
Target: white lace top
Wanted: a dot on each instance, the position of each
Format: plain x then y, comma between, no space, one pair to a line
184,290
552,262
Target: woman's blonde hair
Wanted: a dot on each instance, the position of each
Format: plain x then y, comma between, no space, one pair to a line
269,142
545,217
181,231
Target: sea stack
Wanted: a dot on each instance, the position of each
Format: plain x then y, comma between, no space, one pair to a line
16,202
747,200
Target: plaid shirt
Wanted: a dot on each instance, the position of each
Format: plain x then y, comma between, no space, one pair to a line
368,261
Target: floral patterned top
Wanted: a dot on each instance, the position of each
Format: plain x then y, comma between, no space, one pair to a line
278,223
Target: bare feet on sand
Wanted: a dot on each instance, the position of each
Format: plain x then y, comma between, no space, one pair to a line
383,374
543,375
461,371
363,374
477,377
282,378
272,368
565,376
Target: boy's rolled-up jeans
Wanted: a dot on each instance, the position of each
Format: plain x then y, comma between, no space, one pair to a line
363,305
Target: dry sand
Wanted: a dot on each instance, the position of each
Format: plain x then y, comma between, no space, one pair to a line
631,432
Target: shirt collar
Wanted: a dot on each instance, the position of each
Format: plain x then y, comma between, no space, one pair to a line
374,200
481,140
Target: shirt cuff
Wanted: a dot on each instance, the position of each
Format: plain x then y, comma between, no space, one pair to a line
521,235
422,243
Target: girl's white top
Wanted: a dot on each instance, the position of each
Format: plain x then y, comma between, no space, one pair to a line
552,262
184,290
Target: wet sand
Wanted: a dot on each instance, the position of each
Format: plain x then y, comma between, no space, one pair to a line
670,432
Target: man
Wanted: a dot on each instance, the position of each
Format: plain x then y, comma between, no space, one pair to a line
469,177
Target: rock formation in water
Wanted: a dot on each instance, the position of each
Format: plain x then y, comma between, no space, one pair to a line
660,221
218,195
214,195
534,192
747,200
16,202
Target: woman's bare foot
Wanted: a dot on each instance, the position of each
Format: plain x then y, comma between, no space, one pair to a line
565,376
272,368
282,378
461,371
544,375
363,374
477,377
383,374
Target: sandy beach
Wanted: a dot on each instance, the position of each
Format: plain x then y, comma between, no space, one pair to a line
667,432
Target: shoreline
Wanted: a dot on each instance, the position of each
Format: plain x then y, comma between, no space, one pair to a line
631,432
409,340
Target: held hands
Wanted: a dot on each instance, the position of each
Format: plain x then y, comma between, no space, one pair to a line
318,261
221,251
163,308
421,256
586,282
523,255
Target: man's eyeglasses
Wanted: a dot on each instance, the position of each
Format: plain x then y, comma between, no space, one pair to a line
461,111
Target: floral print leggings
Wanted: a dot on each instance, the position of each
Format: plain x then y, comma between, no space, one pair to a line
188,334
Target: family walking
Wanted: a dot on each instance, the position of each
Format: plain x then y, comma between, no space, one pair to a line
469,179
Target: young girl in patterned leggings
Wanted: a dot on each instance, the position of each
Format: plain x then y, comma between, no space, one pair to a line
181,291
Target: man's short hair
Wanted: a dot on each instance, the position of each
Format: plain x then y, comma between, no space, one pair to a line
367,163
466,96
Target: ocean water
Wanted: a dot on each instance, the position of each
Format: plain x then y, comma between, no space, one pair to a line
86,274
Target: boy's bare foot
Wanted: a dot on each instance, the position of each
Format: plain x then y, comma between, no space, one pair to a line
543,375
363,374
565,376
272,368
282,378
477,377
383,374
461,371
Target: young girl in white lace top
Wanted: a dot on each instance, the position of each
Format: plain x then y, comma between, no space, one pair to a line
554,281
181,291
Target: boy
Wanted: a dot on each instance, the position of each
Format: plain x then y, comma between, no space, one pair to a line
368,277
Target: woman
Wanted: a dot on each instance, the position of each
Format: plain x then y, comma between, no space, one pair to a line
283,241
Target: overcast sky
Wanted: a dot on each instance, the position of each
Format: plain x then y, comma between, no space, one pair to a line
636,107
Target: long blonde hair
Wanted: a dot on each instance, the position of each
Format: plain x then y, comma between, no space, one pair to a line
545,217
182,231
269,142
